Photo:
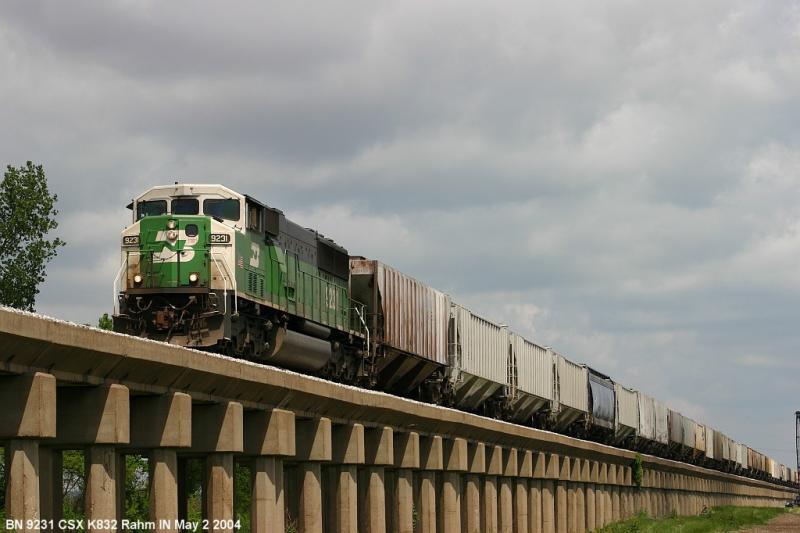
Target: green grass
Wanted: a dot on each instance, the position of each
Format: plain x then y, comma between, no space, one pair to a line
727,518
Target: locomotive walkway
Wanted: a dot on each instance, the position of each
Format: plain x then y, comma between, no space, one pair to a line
328,456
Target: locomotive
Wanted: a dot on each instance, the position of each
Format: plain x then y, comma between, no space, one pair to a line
205,267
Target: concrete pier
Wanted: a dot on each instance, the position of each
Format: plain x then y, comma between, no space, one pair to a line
431,463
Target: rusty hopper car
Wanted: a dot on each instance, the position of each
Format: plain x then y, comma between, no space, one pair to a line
408,324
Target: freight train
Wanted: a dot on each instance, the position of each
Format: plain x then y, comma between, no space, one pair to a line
205,267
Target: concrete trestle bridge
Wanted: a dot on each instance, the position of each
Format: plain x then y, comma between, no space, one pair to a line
325,456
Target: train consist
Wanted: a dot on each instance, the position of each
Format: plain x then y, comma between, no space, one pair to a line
206,267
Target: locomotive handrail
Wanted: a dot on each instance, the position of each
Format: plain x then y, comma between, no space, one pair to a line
225,275
123,267
361,318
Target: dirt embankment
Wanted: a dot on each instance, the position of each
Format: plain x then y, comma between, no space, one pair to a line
785,523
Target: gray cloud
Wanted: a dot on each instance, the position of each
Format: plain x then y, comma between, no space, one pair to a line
616,180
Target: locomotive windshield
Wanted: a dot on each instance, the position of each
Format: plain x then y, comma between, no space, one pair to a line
151,208
185,206
225,209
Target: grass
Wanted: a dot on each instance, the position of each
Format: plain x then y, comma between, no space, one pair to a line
726,518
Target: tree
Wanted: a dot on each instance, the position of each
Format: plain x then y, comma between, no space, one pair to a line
105,322
27,215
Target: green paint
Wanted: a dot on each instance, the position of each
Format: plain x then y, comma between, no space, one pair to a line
168,263
268,275
264,273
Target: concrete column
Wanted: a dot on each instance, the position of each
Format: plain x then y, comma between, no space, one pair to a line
101,484
267,507
548,506
580,474
406,457
379,453
549,494
572,507
613,493
627,507
427,497
591,501
535,506
163,463
431,461
162,424
310,497
505,509
313,444
404,501
348,451
219,489
28,412
494,468
217,431
506,491
455,461
600,496
521,488
345,513
652,492
591,506
22,484
535,494
471,505
104,415
50,481
372,496
270,437
451,502
644,493
562,503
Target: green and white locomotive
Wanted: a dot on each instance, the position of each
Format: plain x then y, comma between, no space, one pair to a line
206,267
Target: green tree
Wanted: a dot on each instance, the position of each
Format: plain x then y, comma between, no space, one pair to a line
74,482
105,322
136,488
638,470
27,215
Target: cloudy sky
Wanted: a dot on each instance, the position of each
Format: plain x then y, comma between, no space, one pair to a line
620,180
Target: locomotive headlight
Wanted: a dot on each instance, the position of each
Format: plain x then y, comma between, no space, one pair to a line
172,235
172,224
137,279
193,277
